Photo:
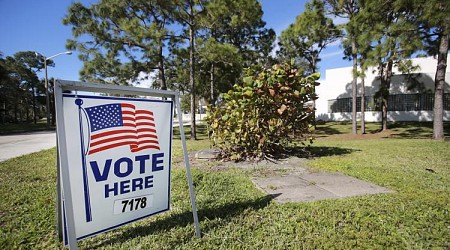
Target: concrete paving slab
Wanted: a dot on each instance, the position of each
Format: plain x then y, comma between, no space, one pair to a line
292,189
309,193
313,186
207,154
343,185
281,182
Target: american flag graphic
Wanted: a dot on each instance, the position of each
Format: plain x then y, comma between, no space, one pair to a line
119,124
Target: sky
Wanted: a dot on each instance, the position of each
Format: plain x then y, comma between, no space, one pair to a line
36,25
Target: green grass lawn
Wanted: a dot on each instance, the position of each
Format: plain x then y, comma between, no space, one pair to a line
234,214
405,129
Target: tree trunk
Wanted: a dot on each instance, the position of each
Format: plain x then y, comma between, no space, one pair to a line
354,88
16,111
162,74
386,82
212,102
439,82
313,70
363,92
34,105
52,109
27,110
383,114
191,78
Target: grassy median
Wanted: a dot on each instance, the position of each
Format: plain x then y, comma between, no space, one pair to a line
234,214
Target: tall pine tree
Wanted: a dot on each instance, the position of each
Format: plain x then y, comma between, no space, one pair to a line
348,9
120,40
434,24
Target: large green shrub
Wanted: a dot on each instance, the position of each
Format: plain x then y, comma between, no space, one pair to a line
259,118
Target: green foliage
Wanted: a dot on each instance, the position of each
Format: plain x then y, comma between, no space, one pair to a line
304,40
230,35
259,118
433,22
239,23
220,65
20,87
117,40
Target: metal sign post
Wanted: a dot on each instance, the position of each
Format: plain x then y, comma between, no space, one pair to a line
134,176
68,214
188,166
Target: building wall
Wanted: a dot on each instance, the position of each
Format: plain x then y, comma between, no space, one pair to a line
338,84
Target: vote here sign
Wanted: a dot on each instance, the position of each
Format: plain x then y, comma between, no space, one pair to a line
119,154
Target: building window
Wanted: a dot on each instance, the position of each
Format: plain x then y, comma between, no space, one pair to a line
400,102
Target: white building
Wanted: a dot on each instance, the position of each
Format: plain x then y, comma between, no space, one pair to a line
405,103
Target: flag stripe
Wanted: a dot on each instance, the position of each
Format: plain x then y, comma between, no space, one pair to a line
144,117
113,141
127,105
121,131
124,137
151,124
148,141
146,112
126,112
92,151
145,147
147,136
129,119
149,130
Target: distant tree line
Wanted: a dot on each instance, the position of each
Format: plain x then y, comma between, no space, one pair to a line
22,93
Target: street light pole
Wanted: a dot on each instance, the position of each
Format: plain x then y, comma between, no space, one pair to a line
47,98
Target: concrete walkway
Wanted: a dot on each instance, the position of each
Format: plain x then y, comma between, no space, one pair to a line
289,181
20,144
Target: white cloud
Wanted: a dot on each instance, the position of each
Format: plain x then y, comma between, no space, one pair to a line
335,43
332,54
276,48
145,80
339,20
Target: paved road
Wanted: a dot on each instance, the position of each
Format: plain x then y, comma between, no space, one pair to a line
20,144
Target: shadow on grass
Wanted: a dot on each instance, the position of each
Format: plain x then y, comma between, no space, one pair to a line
327,151
225,213
310,152
326,130
413,133
415,130
397,130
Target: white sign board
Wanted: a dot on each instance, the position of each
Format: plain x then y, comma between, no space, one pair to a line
119,160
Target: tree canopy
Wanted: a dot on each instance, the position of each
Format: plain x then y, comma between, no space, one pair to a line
20,88
311,33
